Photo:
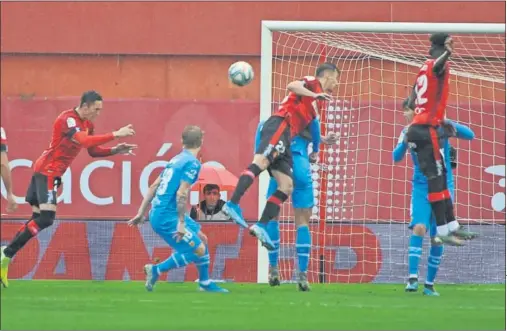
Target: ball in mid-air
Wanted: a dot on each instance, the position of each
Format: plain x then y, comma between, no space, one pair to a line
241,73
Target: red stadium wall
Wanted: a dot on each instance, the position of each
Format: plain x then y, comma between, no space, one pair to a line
192,62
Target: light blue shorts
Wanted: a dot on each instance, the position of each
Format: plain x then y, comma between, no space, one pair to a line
302,196
166,228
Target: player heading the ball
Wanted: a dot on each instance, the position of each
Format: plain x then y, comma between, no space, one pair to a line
72,130
306,97
429,101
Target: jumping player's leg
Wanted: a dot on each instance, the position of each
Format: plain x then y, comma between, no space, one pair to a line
282,172
432,166
41,195
302,201
273,143
420,216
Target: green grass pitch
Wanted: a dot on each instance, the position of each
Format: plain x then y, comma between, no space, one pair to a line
85,305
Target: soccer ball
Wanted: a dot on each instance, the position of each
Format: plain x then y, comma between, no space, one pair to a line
241,73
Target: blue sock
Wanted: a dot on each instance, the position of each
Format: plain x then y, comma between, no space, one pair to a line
177,260
434,259
202,264
274,233
414,255
303,245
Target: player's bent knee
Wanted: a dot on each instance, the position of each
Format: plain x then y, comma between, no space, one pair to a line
286,187
261,161
46,219
200,250
419,230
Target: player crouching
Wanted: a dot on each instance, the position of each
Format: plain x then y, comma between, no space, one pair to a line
421,214
169,196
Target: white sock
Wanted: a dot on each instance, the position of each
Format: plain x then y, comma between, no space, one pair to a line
443,230
453,226
206,282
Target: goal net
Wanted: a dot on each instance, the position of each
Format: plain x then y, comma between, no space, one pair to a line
362,198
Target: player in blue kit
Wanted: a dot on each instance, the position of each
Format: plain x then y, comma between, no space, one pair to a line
302,200
421,215
169,197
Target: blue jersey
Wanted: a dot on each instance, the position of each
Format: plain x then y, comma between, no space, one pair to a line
418,178
182,167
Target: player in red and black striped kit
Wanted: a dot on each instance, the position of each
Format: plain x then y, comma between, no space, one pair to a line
429,100
72,130
298,109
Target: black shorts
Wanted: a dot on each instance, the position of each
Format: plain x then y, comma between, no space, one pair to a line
426,142
275,145
42,190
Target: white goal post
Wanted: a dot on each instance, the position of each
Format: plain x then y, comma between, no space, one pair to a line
378,62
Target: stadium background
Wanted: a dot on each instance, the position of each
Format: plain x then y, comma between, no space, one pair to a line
159,76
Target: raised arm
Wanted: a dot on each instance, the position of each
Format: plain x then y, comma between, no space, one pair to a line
401,148
298,87
315,133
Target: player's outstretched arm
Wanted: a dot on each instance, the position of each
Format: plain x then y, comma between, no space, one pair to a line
298,87
401,148
88,140
462,131
139,218
122,148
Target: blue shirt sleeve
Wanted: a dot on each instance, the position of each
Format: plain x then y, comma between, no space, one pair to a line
315,132
258,136
401,148
462,131
191,172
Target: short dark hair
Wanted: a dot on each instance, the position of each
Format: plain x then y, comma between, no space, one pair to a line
438,43
89,97
210,187
192,136
325,67
439,38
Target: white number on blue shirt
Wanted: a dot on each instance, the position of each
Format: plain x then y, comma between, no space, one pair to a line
165,179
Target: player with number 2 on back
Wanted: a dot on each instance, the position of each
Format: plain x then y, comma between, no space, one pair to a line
429,101
72,130
168,215
297,111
